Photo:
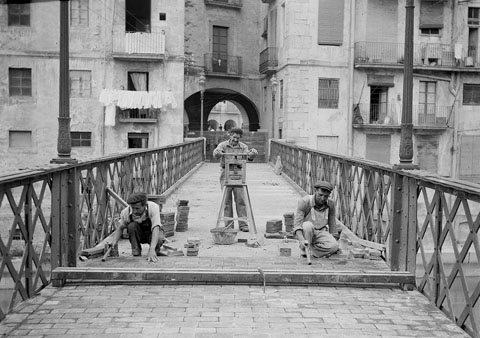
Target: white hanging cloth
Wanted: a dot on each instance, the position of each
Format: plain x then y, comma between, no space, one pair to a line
130,99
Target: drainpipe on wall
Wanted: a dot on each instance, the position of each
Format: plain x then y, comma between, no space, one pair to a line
454,88
350,76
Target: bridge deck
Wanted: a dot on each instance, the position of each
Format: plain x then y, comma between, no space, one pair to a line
195,311
271,196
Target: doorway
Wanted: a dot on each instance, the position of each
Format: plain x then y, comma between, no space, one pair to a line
378,103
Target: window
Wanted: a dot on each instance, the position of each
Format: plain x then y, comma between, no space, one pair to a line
431,14
137,140
80,83
430,31
471,94
220,49
427,100
20,139
379,104
137,81
330,22
19,14
328,93
281,93
20,81
81,138
474,16
79,12
137,16
162,16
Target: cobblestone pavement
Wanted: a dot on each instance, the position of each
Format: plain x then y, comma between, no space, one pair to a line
227,311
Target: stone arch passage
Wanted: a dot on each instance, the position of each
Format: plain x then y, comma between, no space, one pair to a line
212,96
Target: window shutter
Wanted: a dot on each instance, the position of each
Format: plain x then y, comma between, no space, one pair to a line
330,22
431,14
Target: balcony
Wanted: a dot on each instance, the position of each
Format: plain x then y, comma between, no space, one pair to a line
425,55
138,46
138,115
268,60
223,65
390,115
236,4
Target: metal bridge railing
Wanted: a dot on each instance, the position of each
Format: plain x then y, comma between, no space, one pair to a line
429,224
48,215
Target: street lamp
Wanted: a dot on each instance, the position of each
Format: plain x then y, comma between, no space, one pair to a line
201,84
273,84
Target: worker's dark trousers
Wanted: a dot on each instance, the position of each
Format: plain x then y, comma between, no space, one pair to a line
139,233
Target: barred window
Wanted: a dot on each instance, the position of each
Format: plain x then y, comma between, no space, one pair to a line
81,138
328,93
20,81
19,14
471,94
79,12
80,83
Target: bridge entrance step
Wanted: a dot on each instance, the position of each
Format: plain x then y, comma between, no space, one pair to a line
189,276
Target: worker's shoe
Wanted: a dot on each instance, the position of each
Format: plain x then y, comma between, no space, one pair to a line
136,252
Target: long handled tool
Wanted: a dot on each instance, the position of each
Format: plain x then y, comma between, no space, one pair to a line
308,251
107,252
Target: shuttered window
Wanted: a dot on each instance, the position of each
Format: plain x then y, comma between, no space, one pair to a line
431,14
330,22
471,94
328,93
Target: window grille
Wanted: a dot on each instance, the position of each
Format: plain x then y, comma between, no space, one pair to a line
328,93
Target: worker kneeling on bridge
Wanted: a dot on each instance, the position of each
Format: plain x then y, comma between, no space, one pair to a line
315,222
234,146
142,220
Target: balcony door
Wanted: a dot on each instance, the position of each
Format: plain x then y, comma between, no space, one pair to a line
138,81
378,103
137,16
220,49
427,100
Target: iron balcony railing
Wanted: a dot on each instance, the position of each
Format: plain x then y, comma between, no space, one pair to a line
268,60
391,114
430,225
138,43
138,115
424,54
48,215
223,63
225,3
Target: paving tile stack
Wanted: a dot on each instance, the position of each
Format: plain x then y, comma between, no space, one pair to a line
182,216
168,222
288,221
274,226
192,246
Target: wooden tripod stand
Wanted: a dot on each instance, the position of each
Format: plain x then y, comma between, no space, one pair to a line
235,178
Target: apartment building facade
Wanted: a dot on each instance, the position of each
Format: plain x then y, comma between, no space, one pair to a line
338,66
126,78
222,39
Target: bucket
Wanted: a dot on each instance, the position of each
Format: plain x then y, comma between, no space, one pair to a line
224,236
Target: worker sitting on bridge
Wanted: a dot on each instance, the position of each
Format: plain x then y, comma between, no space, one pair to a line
234,146
141,218
315,223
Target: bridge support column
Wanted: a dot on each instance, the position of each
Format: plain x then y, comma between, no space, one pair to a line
65,218
404,224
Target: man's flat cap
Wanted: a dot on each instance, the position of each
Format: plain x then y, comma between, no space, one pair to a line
323,185
136,197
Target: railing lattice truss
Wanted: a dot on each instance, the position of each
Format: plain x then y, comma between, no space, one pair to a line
429,224
47,215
